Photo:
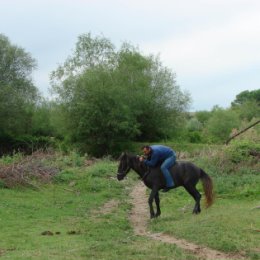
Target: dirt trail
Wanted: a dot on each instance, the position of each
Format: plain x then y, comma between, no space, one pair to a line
140,215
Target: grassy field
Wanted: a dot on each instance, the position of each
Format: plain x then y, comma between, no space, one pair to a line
66,218
232,224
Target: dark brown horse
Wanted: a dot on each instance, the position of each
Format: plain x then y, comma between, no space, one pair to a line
184,174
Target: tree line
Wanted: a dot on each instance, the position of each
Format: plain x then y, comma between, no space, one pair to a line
106,98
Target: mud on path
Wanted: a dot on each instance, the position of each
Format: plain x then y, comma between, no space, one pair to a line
139,217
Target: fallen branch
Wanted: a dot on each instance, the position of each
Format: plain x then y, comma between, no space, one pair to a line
242,131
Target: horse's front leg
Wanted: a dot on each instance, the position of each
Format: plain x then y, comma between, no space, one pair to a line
150,202
157,201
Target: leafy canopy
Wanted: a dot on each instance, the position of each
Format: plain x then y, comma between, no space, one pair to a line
17,92
111,97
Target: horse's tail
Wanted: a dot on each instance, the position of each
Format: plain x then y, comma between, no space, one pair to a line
207,187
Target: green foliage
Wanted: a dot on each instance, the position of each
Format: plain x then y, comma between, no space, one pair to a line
203,116
11,159
248,110
75,216
64,176
16,67
247,104
72,159
247,96
74,207
240,151
21,117
41,119
110,98
17,92
220,124
231,223
194,137
24,144
193,131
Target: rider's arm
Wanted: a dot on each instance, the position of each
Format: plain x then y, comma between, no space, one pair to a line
153,161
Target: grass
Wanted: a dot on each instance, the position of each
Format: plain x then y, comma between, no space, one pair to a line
71,208
232,224
68,208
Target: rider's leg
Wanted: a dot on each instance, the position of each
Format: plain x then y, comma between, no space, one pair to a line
166,165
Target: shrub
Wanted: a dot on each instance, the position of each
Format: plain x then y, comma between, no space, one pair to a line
240,151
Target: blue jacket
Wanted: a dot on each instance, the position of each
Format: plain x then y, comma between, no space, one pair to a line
159,154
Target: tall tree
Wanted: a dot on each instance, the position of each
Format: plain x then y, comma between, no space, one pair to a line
17,92
247,104
246,96
111,97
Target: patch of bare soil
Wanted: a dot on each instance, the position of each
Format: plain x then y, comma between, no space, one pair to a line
139,217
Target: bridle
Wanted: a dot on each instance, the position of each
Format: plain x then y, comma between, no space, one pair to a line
122,173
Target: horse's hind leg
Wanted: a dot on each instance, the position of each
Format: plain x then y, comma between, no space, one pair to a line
196,195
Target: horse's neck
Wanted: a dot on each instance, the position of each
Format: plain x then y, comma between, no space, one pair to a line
136,166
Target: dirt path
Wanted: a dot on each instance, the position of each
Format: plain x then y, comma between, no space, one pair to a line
140,215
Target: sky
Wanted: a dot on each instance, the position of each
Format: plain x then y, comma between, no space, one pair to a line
212,46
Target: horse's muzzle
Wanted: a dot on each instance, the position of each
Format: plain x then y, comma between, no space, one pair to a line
120,176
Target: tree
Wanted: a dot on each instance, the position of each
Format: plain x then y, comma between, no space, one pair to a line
17,92
247,104
16,67
247,96
203,116
221,123
112,97
41,120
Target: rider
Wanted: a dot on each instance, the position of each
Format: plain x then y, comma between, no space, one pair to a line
163,156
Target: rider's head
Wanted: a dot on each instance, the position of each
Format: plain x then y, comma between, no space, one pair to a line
146,150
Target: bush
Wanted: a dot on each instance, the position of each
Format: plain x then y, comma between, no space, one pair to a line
220,124
240,151
64,177
26,144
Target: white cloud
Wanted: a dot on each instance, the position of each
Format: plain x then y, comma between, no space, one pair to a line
217,49
211,45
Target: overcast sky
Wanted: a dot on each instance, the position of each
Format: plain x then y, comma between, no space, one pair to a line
213,46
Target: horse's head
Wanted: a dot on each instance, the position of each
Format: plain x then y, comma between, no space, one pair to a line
124,166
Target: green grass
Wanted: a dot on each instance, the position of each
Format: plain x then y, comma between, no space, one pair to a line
68,206
71,203
230,225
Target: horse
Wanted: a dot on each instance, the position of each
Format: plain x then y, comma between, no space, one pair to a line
184,174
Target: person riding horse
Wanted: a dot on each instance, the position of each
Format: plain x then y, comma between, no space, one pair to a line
184,173
164,156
